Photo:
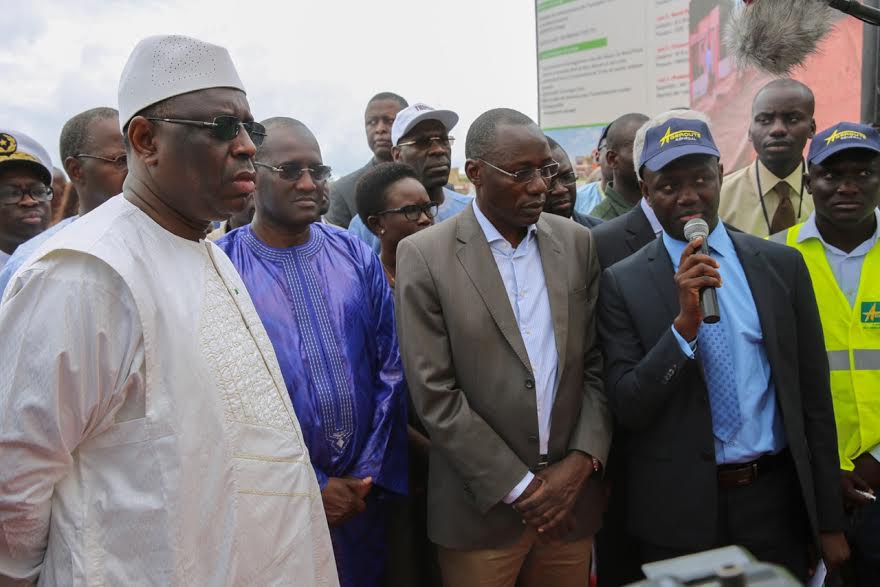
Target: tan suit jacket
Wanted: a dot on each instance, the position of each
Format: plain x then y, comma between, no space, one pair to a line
740,203
472,384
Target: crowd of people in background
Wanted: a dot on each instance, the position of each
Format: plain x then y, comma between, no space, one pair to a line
220,366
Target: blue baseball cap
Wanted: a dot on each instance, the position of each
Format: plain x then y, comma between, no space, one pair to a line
842,136
676,138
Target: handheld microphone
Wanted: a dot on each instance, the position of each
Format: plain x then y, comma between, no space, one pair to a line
777,35
693,229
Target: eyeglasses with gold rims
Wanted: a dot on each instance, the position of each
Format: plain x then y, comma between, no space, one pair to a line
119,162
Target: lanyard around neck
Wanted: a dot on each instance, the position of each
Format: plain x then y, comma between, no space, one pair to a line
761,193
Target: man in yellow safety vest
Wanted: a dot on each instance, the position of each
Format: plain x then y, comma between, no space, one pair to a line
839,242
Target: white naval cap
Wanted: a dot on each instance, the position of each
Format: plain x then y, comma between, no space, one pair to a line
164,66
17,147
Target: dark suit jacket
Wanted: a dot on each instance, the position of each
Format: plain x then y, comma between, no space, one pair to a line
471,381
620,237
659,395
342,204
585,220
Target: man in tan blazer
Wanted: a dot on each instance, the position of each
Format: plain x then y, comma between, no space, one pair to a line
497,327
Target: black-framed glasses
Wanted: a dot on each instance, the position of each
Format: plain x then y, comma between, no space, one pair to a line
547,172
11,195
426,143
565,179
292,171
223,127
119,162
414,211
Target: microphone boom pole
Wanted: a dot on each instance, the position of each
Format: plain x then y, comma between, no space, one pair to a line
858,10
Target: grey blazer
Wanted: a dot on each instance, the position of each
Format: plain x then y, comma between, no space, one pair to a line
472,384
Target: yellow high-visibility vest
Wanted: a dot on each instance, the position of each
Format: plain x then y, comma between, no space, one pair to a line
852,339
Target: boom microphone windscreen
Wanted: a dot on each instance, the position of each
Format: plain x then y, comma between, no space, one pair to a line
777,35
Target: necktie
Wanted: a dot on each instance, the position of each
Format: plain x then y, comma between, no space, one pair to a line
718,369
783,218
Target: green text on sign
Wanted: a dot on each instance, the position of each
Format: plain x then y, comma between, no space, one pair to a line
585,46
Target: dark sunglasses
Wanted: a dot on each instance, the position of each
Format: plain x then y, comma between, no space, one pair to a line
414,211
224,127
292,171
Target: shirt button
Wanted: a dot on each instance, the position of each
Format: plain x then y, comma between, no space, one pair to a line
530,384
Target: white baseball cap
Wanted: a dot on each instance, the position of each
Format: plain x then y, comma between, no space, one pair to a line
412,115
165,66
17,147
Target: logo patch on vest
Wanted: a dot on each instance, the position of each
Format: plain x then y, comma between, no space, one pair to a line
870,313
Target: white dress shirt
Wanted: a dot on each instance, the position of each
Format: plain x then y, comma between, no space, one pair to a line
523,275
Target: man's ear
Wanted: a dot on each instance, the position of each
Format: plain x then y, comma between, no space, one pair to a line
807,183
395,153
142,138
812,128
611,158
643,187
73,168
474,171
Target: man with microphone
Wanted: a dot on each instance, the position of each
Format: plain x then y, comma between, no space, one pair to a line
731,434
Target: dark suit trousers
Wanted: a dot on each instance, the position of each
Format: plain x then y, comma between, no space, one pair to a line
767,517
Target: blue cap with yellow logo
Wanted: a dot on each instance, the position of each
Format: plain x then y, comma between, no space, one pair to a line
842,136
676,138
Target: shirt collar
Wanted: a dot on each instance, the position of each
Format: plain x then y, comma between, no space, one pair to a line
652,218
810,230
719,244
769,179
491,233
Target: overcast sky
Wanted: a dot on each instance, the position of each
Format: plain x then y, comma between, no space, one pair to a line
316,61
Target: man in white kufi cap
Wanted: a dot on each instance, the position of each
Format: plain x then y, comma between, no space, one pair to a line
146,432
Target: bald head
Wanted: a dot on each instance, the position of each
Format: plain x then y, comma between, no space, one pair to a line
280,130
622,131
619,155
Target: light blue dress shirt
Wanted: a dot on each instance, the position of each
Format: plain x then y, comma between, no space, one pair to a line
762,431
846,267
522,272
588,196
26,249
453,203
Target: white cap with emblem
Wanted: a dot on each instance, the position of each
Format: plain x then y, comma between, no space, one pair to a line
165,66
17,147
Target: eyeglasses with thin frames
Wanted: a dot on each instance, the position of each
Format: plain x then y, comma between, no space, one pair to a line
223,127
119,162
11,195
547,172
426,143
414,211
564,179
293,172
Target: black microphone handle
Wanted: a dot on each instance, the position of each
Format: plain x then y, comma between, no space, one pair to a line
709,305
708,296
